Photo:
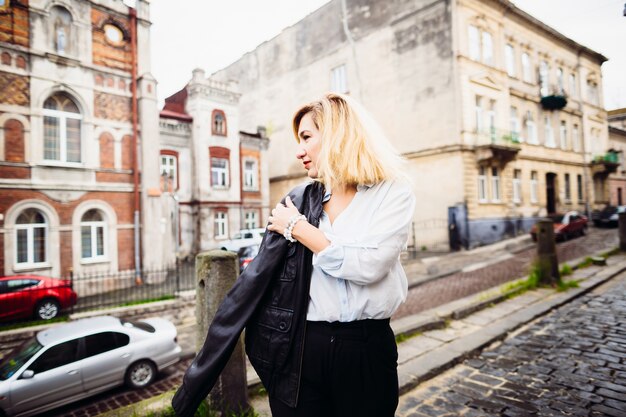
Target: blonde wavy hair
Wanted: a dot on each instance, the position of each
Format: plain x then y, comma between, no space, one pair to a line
354,149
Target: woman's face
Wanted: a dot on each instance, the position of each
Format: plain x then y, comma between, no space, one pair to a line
309,146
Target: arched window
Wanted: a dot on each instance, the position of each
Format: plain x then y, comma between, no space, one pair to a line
62,24
62,129
31,233
92,236
218,123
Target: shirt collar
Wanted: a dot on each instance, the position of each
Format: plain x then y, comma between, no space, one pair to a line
361,187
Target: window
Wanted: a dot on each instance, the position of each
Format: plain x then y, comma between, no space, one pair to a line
98,343
478,110
549,140
563,134
509,56
495,185
15,285
592,92
221,225
113,34
251,220
575,138
31,232
531,129
568,191
487,48
61,20
218,123
169,175
219,172
579,187
4,4
250,174
491,119
92,236
573,91
527,73
559,81
533,187
62,129
339,79
59,355
517,186
514,124
474,43
482,185
544,70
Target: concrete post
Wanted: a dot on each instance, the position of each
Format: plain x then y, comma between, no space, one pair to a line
546,254
216,272
622,231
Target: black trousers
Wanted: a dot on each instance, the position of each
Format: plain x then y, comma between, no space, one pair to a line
349,369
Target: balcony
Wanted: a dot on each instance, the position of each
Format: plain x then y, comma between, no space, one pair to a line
497,145
605,164
553,99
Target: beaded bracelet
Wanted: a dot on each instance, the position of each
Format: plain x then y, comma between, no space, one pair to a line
292,223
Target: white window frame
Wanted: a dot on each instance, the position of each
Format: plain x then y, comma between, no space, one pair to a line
474,42
567,184
514,124
549,139
560,81
563,134
250,176
482,185
593,96
168,165
527,73
62,117
30,244
544,80
219,173
251,219
339,79
495,185
509,58
220,225
487,48
94,226
534,186
478,114
491,119
576,138
573,91
531,129
517,186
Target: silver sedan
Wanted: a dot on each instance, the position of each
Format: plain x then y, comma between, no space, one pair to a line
72,361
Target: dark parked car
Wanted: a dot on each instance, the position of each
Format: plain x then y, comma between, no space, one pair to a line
607,217
246,255
565,225
26,296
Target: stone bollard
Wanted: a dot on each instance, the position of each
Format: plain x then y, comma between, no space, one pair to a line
546,254
622,231
216,272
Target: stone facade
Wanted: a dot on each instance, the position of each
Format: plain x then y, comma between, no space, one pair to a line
66,156
470,91
617,143
216,175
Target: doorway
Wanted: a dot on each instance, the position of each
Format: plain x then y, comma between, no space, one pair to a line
551,192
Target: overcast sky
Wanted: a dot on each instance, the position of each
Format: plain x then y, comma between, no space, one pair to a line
211,34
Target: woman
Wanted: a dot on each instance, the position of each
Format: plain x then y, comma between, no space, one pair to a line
317,299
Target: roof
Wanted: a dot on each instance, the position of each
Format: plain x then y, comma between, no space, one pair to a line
174,107
77,328
169,114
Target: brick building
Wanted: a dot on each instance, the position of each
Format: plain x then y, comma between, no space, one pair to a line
500,116
215,174
68,182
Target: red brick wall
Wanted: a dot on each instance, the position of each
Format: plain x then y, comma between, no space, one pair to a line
14,25
127,152
13,141
107,157
125,249
14,89
113,177
11,172
112,107
105,53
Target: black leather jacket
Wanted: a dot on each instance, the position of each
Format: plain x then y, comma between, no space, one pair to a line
270,299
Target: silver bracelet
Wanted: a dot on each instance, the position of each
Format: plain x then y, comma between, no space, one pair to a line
292,223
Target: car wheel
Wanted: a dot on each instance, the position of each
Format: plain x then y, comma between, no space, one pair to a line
47,309
140,374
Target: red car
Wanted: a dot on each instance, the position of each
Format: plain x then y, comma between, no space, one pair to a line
565,225
25,296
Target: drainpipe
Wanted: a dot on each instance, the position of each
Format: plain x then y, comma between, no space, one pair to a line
133,84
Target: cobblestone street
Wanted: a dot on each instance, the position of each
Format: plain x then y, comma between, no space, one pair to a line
461,284
571,362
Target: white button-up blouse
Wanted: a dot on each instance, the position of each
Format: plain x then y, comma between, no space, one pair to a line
359,275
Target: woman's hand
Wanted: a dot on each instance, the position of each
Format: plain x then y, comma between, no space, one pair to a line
279,220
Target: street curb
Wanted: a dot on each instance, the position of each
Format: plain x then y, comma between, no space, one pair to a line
431,364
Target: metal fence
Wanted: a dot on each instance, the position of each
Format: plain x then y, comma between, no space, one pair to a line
31,298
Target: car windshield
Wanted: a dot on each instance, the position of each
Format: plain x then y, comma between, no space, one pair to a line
18,357
556,218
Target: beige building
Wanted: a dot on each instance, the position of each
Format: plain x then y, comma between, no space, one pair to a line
500,116
617,144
